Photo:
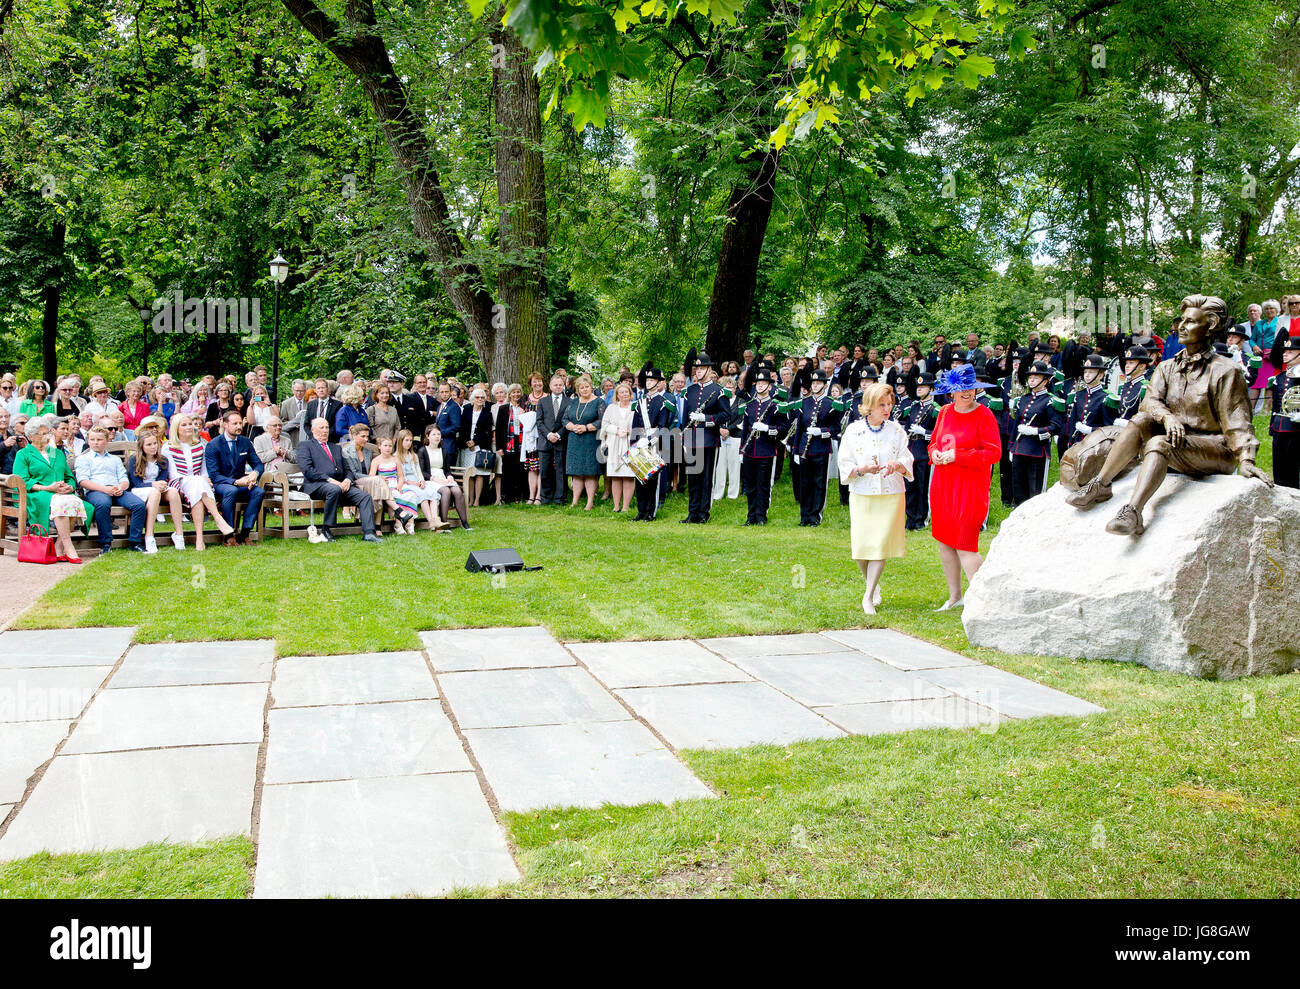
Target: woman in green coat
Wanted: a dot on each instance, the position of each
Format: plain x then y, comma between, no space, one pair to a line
36,402
51,490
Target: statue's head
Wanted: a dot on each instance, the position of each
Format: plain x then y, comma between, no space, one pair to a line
1202,316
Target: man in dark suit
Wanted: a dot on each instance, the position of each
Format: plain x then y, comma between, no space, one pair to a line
551,438
418,408
940,356
235,470
327,476
324,407
448,419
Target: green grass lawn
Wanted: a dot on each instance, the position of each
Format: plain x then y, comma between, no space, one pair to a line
1182,788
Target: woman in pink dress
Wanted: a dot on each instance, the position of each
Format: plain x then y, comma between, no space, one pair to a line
964,446
188,473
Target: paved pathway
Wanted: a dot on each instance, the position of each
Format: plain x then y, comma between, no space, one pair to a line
383,774
25,583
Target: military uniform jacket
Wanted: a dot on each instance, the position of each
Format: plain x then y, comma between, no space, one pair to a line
823,414
1089,408
659,411
1126,402
924,413
711,401
762,445
1042,411
1279,385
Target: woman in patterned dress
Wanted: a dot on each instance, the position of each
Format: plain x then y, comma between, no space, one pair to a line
188,473
426,493
388,469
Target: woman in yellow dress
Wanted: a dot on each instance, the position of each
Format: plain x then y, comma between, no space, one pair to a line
874,460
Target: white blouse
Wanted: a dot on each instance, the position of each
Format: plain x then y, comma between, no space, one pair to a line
860,447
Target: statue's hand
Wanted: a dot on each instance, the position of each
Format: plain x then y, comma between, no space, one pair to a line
1248,469
1175,431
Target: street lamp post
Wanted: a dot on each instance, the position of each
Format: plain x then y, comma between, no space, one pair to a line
279,272
145,317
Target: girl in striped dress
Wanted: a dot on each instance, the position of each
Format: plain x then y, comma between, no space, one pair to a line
414,477
188,474
408,496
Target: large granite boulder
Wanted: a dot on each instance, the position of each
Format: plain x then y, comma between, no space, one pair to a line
1210,589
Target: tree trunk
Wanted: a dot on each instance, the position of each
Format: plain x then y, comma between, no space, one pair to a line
731,306
361,50
50,293
520,340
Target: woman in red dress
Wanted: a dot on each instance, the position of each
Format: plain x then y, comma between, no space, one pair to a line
964,446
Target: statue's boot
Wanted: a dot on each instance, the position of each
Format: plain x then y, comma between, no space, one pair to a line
1088,495
1127,523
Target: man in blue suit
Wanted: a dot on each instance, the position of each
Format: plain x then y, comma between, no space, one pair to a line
448,421
235,470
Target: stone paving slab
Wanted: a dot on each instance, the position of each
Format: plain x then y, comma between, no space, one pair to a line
170,664
1012,695
726,715
379,837
149,717
515,698
49,693
896,716
838,678
740,646
64,647
307,744
460,649
307,681
587,765
23,749
654,664
903,651
126,799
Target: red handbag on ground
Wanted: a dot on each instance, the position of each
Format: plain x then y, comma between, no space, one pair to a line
36,545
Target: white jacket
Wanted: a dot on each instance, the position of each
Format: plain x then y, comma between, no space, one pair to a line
860,447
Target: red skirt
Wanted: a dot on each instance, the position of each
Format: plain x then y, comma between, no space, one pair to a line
959,504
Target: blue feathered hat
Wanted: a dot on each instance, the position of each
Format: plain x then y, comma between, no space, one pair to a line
958,379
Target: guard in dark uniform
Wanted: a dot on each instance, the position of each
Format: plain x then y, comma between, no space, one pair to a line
922,413
1126,402
1037,419
818,424
1002,405
652,419
1284,425
1087,406
706,413
760,438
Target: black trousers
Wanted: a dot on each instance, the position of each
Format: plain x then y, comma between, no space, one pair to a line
551,461
513,478
649,495
1027,477
918,494
756,476
1004,473
699,482
1286,459
332,494
812,488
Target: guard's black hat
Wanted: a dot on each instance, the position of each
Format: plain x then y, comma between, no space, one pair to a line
1221,349
1042,348
1094,361
925,378
764,374
1137,353
1041,368
1291,343
961,355
818,375
654,374
702,360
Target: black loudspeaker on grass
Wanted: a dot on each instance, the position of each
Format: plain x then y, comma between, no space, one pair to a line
495,561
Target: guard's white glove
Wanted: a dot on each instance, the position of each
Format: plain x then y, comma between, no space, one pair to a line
1295,416
652,431
1028,431
1120,422
697,417
1044,434
1084,428
816,431
917,430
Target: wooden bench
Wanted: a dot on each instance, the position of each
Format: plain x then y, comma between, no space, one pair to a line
13,515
